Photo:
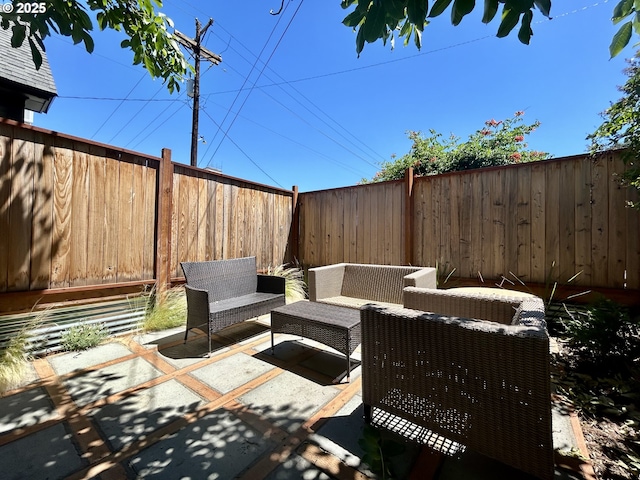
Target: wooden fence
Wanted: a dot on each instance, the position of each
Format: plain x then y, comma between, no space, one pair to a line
536,221
83,220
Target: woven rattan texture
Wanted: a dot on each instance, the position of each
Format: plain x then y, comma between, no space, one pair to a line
372,282
482,384
336,327
352,285
221,293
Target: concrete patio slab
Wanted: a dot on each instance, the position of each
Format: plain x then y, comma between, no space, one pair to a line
96,384
48,453
25,409
138,415
68,362
244,367
219,445
288,400
155,407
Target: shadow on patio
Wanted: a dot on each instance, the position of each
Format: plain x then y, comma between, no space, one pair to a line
155,407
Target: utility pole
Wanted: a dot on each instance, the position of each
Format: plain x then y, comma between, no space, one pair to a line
198,51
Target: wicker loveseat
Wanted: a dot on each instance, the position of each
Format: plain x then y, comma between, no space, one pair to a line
353,285
484,384
224,292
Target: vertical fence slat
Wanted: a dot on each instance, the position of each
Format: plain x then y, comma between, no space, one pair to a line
6,152
42,231
617,229
20,211
62,181
583,188
96,227
600,222
136,248
112,220
511,222
524,223
125,204
566,259
552,217
539,265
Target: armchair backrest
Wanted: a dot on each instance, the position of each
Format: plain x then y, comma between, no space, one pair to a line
514,310
379,283
223,279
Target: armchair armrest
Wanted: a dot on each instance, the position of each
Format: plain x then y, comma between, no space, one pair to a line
423,278
271,284
326,281
197,306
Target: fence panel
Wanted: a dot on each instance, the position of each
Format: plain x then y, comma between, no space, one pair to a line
537,221
217,217
361,224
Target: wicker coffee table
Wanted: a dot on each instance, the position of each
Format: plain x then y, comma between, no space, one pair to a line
336,327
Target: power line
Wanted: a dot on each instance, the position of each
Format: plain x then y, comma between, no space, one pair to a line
305,146
242,151
116,109
246,80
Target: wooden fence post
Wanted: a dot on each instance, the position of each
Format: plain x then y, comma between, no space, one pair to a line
408,216
163,225
294,238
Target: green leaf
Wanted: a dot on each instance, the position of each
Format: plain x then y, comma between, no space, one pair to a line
417,38
490,10
88,42
439,7
354,18
347,3
460,9
524,35
510,19
360,40
35,54
620,39
375,23
396,9
417,12
544,6
622,10
636,22
19,34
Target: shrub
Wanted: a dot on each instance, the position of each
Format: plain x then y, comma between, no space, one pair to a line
295,287
84,336
13,361
170,313
603,334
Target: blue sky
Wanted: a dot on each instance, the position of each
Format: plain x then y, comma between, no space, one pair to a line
292,104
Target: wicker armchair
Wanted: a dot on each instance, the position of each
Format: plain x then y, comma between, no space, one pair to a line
483,384
221,293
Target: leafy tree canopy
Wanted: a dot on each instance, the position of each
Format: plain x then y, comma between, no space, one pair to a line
145,30
621,126
384,19
499,142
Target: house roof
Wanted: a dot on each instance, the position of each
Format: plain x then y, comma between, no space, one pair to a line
18,75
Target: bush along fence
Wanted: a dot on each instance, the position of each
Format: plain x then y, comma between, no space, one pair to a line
534,223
